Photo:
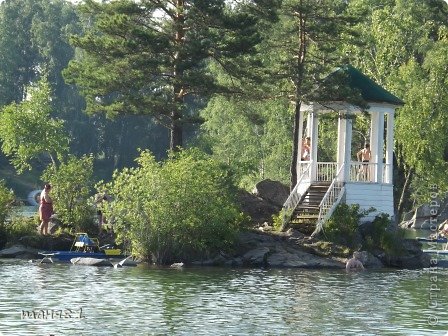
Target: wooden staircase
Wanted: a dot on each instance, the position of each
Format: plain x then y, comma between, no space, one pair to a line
306,214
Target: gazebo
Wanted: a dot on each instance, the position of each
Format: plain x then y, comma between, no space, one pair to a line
321,186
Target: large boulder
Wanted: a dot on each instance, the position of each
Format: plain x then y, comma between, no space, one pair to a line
295,258
257,208
411,258
256,257
48,243
19,251
370,261
421,217
265,250
272,191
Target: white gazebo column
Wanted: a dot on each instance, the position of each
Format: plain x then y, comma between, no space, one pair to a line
314,138
341,138
300,140
389,147
376,146
347,146
309,123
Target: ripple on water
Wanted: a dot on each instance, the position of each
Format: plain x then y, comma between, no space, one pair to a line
152,301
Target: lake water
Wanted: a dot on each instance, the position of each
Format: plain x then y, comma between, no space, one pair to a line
219,301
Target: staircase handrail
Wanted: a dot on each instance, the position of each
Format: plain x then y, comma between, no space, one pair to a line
330,200
294,198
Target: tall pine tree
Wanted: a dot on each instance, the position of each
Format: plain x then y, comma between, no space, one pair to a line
301,49
150,57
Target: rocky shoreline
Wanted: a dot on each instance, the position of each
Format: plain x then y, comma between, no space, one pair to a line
259,249
294,250
260,245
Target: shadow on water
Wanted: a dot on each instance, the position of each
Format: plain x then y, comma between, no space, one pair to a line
221,301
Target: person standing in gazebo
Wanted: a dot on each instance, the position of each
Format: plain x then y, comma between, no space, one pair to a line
306,149
364,155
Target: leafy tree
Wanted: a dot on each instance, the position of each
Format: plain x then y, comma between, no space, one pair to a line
252,137
149,57
32,42
426,89
301,48
16,70
402,51
176,210
6,201
71,187
27,129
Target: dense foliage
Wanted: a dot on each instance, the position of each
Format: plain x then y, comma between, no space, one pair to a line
6,200
252,137
72,184
28,131
343,225
149,57
404,50
34,42
174,211
258,61
382,235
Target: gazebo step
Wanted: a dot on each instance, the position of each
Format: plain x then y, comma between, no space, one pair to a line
308,206
307,217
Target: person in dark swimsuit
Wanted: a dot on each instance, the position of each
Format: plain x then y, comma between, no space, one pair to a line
364,155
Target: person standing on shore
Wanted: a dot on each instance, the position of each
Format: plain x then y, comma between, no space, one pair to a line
45,209
100,198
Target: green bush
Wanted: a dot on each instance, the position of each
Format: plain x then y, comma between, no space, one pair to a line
20,227
174,211
278,219
381,236
6,201
343,225
376,231
72,184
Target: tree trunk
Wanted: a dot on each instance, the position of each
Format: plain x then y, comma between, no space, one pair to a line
295,146
176,136
301,53
406,184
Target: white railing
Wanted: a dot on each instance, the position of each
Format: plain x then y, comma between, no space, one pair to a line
362,172
302,185
330,200
326,171
366,172
304,170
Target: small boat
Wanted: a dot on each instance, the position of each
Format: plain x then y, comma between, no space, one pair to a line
441,240
83,247
438,253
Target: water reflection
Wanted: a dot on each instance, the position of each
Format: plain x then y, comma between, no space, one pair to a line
151,301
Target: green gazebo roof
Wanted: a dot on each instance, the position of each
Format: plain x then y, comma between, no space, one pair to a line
369,90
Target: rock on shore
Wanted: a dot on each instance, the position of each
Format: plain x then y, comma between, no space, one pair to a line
258,249
19,251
